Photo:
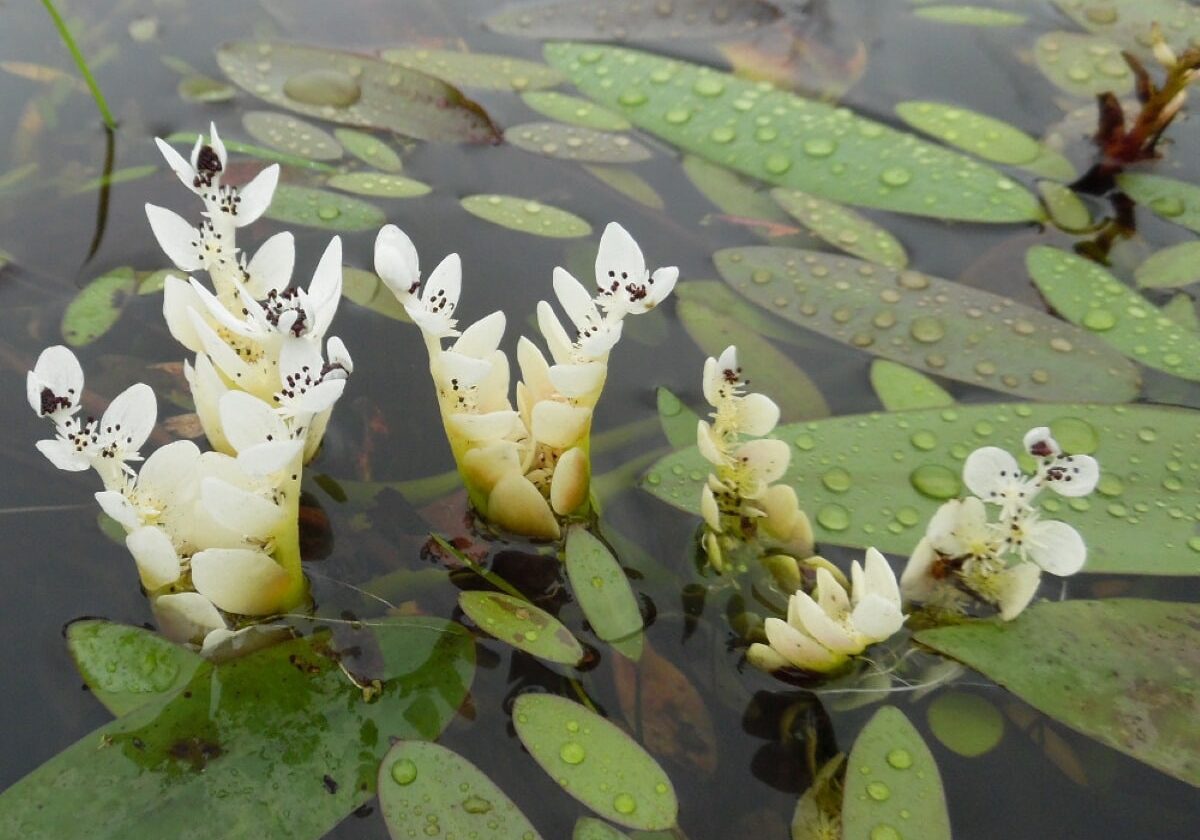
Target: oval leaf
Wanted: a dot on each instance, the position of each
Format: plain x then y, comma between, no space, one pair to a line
970,15
677,420
423,785
1175,201
842,228
366,289
1132,22
594,761
564,108
480,70
317,208
964,723
1170,268
522,625
379,184
600,585
572,142
526,215
744,203
1083,65
901,388
292,135
628,183
590,828
126,667
620,19
369,149
1064,207
98,306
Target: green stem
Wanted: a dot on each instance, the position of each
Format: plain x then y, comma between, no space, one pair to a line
81,63
287,542
488,575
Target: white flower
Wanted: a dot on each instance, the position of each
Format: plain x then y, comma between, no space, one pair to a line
55,385
225,205
822,633
993,474
622,280
432,307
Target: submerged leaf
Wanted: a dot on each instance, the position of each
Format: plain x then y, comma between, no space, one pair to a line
197,88
901,388
481,70
789,141
369,149
1083,65
366,289
892,780
1122,671
355,90
818,811
423,785
565,108
1175,201
98,306
629,184
745,203
526,216
600,586
1085,293
842,228
292,135
967,724
126,667
931,324
595,761
608,20
573,142
677,420
522,625
971,15
318,208
1148,485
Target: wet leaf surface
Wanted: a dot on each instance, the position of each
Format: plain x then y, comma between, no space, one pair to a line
292,135
1173,200
126,667
317,208
1064,207
521,625
600,586
901,388
590,828
1083,65
617,20
369,149
379,184
480,70
842,228
1123,671
97,307
1129,22
1170,268
526,215
573,142
564,108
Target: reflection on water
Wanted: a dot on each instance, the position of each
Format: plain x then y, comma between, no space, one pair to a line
738,745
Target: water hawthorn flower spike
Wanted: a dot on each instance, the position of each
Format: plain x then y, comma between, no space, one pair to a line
526,467
824,630
741,502
1001,562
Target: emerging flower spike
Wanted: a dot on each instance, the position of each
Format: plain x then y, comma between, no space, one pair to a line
741,503
525,468
1001,562
823,631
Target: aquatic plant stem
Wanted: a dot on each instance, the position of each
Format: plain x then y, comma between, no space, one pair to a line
65,33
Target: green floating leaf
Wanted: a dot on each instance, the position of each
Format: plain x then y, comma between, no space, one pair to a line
1083,65
893,788
965,723
572,142
317,208
1150,484
785,381
126,667
98,306
971,16
1064,207
590,828
1170,268
677,420
369,149
842,228
607,20
1131,23
1182,310
1122,671
187,140
379,184
291,135
355,90
901,388
479,70
366,289
522,625
594,761
276,743
202,89
1175,201
789,141
745,203
715,295
563,107
931,324
1086,294
425,786
118,176
629,184
526,216
600,586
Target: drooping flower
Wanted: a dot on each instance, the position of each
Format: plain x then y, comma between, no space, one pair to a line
823,631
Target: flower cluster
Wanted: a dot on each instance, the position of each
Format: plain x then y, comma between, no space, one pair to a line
821,633
526,467
741,503
1001,562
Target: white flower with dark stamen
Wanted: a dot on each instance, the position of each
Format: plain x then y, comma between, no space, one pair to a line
624,283
431,305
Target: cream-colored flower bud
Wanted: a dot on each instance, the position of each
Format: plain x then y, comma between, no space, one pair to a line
516,505
569,486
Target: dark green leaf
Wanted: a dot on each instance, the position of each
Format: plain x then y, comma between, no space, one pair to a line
522,625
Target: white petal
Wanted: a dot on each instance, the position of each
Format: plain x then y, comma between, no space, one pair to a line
179,299
880,579
207,389
766,658
484,466
492,392
569,486
757,415
601,341
988,471
272,457
482,427
709,509
240,511
1015,589
831,596
240,580
130,417
458,370
782,509
396,262
516,505
482,338
831,634
270,268
576,381
877,618
917,582
319,397
444,285
119,508
575,300
176,236
223,644
431,324
556,336
62,454
256,196
1073,475
169,470
1056,547
799,650
767,458
186,616
711,381
214,140
325,290
662,283
619,259
221,354
1040,443
559,425
535,373
338,355
709,447
155,556
58,370
248,421
177,162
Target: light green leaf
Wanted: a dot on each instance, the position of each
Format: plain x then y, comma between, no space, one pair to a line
526,215
1175,201
1149,484
202,89
369,149
98,306
276,743
323,209
354,89
522,625
594,761
842,228
1085,293
919,321
715,295
1122,671
967,724
291,135
678,421
893,781
563,107
745,203
970,16
1130,22
1182,310
789,141
901,388
600,586
423,785
628,183
606,20
379,184
366,289
479,70
118,176
1083,65
152,282
126,667
772,371
1064,207
572,142
590,828
1170,268
188,139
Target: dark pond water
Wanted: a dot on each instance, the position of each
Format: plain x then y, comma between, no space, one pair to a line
1042,781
